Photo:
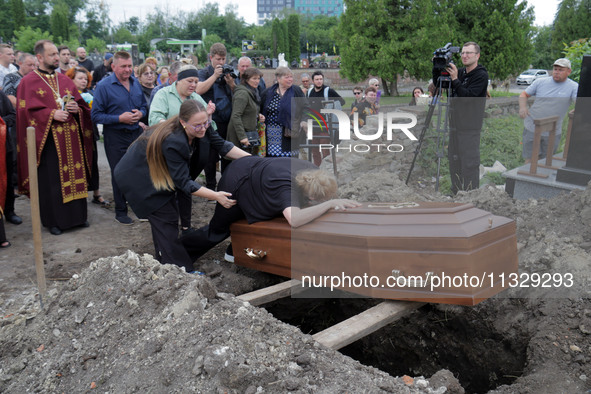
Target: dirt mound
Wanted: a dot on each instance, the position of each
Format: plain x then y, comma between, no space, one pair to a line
130,324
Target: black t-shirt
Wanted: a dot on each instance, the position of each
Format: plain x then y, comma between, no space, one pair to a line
263,186
87,64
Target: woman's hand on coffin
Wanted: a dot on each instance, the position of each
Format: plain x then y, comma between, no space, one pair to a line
343,204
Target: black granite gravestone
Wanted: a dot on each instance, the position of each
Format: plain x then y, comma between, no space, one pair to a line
577,170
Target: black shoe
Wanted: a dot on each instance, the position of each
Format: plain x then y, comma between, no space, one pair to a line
229,255
100,201
188,230
125,220
14,219
85,224
55,230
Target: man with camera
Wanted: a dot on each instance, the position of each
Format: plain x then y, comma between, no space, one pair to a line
216,84
468,89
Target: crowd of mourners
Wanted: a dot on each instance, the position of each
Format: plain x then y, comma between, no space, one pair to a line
162,127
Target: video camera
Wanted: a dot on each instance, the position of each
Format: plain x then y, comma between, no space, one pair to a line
442,58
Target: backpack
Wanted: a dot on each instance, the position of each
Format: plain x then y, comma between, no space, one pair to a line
336,104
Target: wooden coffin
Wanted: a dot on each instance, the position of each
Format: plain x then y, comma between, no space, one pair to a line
449,253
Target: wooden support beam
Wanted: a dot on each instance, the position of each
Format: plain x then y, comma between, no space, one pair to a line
271,293
363,324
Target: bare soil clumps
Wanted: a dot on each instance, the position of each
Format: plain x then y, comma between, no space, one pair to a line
129,324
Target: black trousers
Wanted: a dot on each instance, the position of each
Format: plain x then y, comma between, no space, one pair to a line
218,229
10,170
165,234
214,157
464,159
116,144
185,203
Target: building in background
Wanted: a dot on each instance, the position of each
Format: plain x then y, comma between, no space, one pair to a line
267,9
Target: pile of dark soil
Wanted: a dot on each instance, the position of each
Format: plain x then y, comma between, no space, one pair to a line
129,324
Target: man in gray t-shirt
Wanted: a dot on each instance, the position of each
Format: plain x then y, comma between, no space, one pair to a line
553,97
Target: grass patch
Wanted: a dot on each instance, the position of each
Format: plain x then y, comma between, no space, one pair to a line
500,140
501,93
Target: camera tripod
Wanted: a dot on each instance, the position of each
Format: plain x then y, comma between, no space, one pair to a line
444,83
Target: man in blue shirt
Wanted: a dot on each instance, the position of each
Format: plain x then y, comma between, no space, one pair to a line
118,105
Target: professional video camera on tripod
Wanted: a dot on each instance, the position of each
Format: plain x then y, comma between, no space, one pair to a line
442,58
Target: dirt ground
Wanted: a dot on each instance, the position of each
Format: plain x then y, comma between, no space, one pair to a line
129,324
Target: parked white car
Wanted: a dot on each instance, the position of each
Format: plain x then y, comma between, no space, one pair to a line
529,76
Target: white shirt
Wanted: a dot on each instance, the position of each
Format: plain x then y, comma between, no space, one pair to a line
6,70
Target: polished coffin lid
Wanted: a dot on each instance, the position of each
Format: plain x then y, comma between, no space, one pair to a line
415,245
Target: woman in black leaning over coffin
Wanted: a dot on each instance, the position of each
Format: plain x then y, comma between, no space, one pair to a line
156,166
266,188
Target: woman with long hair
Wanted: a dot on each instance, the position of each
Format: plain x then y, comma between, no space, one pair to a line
156,167
83,79
416,93
166,104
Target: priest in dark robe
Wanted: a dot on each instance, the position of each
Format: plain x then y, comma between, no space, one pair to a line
50,102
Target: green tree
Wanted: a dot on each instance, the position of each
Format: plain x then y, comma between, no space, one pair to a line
386,37
293,31
95,43
6,30
574,52
133,25
320,32
60,25
17,8
143,43
571,23
73,7
37,16
234,27
98,21
26,37
73,44
122,35
502,28
261,34
209,18
542,55
277,37
372,39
